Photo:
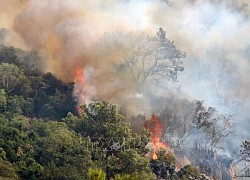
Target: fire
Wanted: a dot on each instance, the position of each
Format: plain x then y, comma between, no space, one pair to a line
154,155
233,171
156,133
84,91
80,87
178,166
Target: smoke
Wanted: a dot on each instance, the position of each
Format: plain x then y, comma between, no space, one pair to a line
8,12
214,33
66,31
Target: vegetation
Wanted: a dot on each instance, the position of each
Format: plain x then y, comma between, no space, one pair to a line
43,137
146,59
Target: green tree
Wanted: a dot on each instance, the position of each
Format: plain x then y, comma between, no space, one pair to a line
164,165
116,149
3,100
7,171
134,176
28,168
57,106
60,151
9,55
11,76
96,174
189,172
19,105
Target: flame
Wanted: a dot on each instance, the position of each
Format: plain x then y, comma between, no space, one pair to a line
233,171
177,166
154,155
84,91
156,132
80,87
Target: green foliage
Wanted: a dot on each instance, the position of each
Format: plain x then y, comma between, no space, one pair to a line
42,137
122,177
7,171
116,149
188,172
3,100
9,55
2,154
59,150
165,157
164,165
19,105
96,174
28,168
134,176
29,92
33,60
57,106
11,76
72,122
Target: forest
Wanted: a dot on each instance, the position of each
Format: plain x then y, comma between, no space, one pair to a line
124,90
43,136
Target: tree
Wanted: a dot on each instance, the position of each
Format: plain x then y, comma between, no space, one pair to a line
11,76
3,100
17,104
33,60
37,85
8,54
211,126
61,152
57,106
164,165
145,58
96,174
192,121
189,172
244,171
245,151
115,148
134,176
7,171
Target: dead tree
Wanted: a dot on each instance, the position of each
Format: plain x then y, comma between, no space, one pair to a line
211,126
145,58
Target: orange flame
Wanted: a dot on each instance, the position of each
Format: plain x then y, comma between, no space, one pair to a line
154,156
156,133
178,166
79,87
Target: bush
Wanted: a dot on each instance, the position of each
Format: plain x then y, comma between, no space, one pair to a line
96,174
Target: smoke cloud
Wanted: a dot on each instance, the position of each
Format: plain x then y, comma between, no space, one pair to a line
213,33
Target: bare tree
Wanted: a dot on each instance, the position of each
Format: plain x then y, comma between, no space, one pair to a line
191,121
145,58
212,125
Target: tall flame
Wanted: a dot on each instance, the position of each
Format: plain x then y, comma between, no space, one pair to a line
80,87
156,133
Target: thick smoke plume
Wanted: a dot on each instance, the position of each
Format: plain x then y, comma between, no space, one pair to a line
213,33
